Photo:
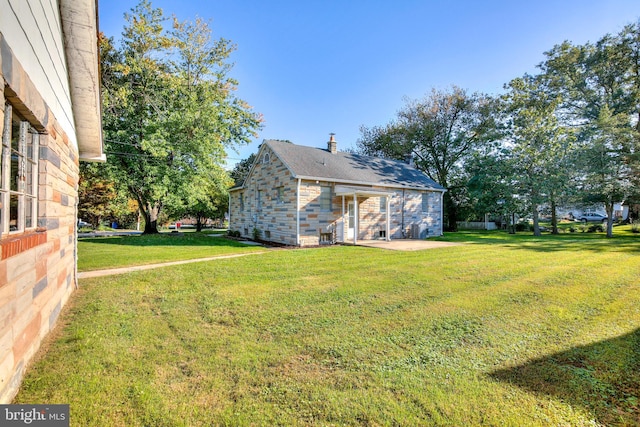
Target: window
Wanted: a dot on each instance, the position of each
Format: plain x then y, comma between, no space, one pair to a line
425,202
241,202
280,195
325,198
383,204
259,203
266,158
19,184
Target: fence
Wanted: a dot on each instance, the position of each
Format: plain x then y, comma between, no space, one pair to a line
477,225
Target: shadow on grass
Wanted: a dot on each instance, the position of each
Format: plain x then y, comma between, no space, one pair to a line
166,239
603,377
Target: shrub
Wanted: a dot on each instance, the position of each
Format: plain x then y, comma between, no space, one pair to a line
233,233
635,226
595,228
523,226
256,233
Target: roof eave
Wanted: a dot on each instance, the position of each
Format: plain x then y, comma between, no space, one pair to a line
80,35
385,185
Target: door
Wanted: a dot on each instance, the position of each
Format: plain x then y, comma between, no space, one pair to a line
351,214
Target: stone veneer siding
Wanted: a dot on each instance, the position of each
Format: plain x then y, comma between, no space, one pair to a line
276,220
37,267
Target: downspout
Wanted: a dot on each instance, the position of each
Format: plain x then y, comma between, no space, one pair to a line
229,209
356,221
441,213
75,238
388,207
298,213
343,220
402,216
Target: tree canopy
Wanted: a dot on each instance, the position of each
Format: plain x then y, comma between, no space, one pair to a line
568,135
170,112
437,133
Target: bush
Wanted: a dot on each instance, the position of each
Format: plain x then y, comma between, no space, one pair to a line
635,226
594,228
256,233
233,233
523,226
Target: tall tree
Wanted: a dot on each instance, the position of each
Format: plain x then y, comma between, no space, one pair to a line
438,133
540,145
599,86
170,110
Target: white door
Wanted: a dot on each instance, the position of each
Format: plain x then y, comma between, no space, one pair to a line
351,213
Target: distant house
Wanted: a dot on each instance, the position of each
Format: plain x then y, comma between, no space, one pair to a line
50,118
297,195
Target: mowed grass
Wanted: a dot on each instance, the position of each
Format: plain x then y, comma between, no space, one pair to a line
97,253
505,330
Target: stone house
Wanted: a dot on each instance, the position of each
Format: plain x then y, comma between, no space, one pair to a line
298,195
50,119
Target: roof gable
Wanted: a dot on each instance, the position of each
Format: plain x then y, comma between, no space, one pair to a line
316,163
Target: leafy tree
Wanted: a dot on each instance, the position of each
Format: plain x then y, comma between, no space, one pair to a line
170,112
599,84
540,146
241,169
606,173
438,133
492,185
101,198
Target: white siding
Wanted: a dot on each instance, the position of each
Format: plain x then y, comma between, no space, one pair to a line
32,29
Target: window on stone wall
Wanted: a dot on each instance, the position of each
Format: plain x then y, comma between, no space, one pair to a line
325,198
259,201
19,183
280,195
383,204
241,195
425,202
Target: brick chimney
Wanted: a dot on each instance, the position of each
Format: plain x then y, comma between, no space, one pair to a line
332,145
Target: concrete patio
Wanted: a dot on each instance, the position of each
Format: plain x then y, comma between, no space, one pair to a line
405,244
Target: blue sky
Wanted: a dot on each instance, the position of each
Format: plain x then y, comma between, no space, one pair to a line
315,67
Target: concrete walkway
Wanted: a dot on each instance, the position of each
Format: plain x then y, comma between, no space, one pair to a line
122,270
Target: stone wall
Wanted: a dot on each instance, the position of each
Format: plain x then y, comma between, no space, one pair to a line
260,205
37,266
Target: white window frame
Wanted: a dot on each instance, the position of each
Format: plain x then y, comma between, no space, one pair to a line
280,195
326,198
21,192
425,202
383,204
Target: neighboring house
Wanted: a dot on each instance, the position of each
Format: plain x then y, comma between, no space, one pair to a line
50,119
297,195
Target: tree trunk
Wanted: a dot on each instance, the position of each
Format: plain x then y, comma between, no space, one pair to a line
512,224
536,225
554,217
198,223
609,208
150,213
451,212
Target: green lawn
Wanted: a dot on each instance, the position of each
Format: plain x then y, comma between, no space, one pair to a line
505,330
97,253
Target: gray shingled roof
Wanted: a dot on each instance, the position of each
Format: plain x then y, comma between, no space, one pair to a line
317,163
